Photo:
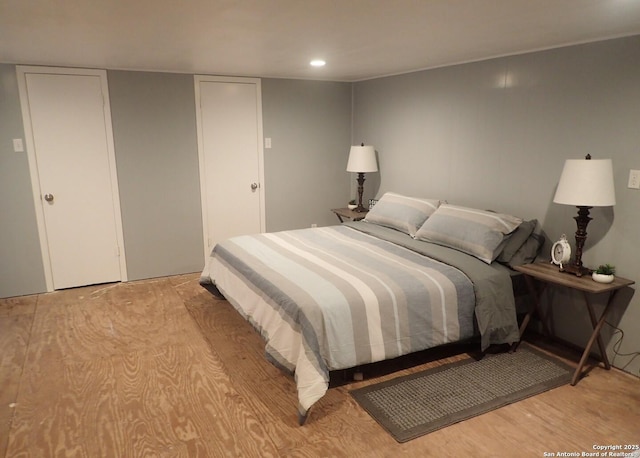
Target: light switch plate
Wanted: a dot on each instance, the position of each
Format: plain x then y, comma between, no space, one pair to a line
634,179
18,147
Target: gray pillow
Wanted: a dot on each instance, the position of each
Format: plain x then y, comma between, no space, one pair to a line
516,240
530,249
402,213
479,233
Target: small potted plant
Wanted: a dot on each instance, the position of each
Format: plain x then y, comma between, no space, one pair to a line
352,204
605,273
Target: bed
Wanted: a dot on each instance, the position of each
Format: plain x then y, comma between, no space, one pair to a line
338,297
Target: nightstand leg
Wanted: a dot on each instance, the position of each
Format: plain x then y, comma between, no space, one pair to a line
594,336
535,294
533,307
594,323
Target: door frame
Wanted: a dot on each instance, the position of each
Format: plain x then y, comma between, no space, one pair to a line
203,195
22,71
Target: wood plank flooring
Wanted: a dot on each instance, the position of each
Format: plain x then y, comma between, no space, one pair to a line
162,368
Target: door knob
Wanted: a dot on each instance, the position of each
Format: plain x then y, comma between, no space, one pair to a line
254,186
48,197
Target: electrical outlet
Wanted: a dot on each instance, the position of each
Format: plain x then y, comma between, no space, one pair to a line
634,179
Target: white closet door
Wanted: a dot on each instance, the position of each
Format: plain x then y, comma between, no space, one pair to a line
71,139
230,144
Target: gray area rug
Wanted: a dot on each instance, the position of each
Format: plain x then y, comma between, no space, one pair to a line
417,404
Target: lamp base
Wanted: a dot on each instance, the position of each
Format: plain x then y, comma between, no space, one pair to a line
582,220
360,208
578,271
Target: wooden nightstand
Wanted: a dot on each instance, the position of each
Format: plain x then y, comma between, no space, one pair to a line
545,274
349,214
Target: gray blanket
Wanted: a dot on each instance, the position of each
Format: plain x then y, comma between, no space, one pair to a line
341,296
495,304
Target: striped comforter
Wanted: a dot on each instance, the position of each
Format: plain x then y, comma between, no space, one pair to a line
341,296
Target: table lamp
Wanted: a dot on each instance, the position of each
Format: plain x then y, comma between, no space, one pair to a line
362,159
585,183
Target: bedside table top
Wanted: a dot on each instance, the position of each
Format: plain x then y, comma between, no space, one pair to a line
550,273
346,213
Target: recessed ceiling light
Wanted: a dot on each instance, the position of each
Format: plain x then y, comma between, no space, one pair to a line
318,63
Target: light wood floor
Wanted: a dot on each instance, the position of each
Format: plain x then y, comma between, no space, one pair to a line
162,368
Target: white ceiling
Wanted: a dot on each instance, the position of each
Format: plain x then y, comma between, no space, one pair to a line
359,39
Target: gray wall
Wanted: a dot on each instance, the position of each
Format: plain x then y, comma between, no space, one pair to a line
21,270
309,123
154,129
495,134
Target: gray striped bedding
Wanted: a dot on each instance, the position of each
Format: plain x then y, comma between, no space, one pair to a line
337,297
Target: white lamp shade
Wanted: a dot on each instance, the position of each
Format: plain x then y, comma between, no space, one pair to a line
586,182
362,159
